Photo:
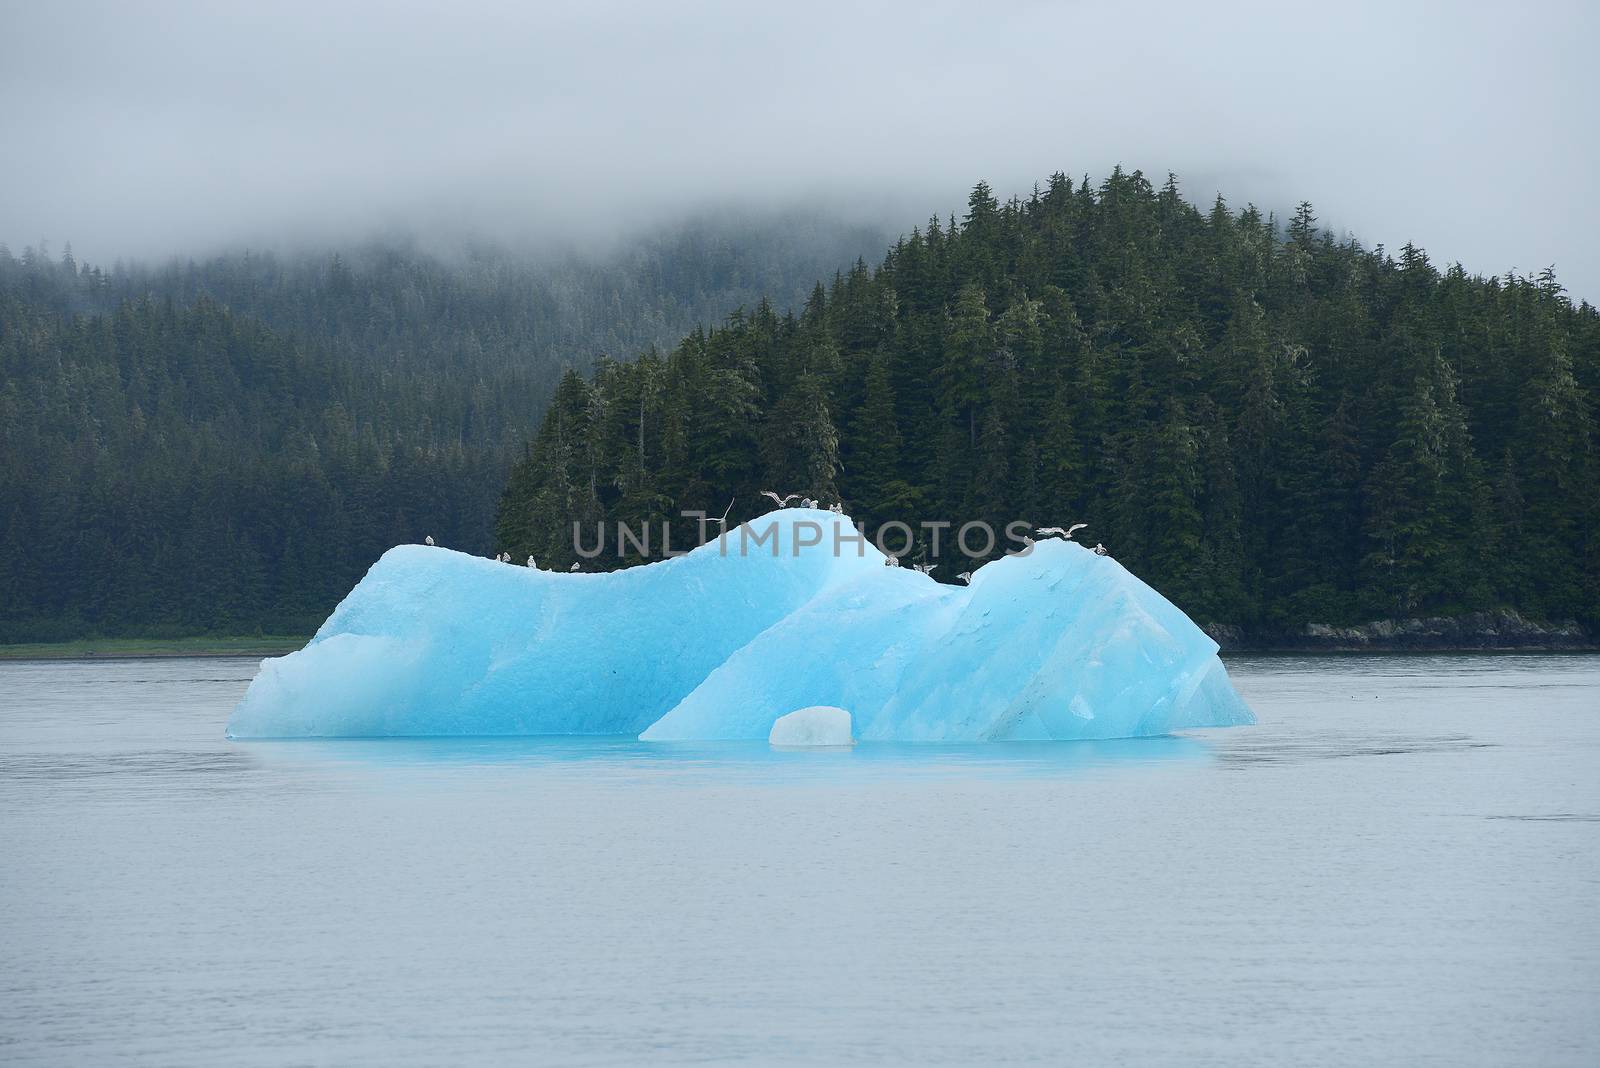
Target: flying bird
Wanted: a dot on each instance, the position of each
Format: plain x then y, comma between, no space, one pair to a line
923,569
723,520
1045,532
781,502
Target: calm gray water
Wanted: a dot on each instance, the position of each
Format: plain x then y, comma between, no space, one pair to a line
1400,864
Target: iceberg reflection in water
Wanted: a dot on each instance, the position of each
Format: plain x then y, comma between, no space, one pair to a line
739,761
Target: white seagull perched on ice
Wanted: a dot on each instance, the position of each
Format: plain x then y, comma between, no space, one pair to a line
1099,550
891,561
574,566
428,540
781,502
965,576
1045,532
836,509
532,562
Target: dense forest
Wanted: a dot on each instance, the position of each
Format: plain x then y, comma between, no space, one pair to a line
225,445
1271,424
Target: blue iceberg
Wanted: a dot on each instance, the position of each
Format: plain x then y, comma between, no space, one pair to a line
790,611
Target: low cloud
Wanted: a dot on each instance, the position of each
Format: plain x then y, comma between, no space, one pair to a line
187,127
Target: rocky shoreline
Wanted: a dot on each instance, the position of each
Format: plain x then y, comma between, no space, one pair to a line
1501,630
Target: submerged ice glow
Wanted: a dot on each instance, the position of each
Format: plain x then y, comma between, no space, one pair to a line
719,643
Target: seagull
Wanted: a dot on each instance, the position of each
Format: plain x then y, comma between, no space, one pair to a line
1045,532
891,561
1100,550
428,540
723,521
965,576
923,569
836,509
807,502
574,566
531,562
781,502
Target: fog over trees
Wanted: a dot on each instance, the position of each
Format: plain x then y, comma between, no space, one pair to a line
226,445
331,263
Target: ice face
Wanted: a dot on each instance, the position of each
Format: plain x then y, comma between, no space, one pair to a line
818,725
788,612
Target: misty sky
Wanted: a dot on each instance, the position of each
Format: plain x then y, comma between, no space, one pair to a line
1467,128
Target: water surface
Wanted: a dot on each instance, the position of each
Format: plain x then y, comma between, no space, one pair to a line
1399,864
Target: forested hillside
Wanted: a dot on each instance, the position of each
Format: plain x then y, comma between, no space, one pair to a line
1269,424
224,446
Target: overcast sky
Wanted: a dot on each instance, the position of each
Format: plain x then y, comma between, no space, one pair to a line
1467,128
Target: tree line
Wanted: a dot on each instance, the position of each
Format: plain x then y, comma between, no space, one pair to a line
1270,423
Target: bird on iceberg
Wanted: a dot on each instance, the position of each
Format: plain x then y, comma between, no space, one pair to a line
531,562
1099,550
836,509
781,502
574,566
891,561
1045,532
965,576
428,540
923,569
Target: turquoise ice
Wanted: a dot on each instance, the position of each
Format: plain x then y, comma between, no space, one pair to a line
791,610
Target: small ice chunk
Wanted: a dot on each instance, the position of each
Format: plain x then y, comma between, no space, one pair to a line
817,725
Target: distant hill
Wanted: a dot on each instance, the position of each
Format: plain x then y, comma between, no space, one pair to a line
1271,425
225,445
